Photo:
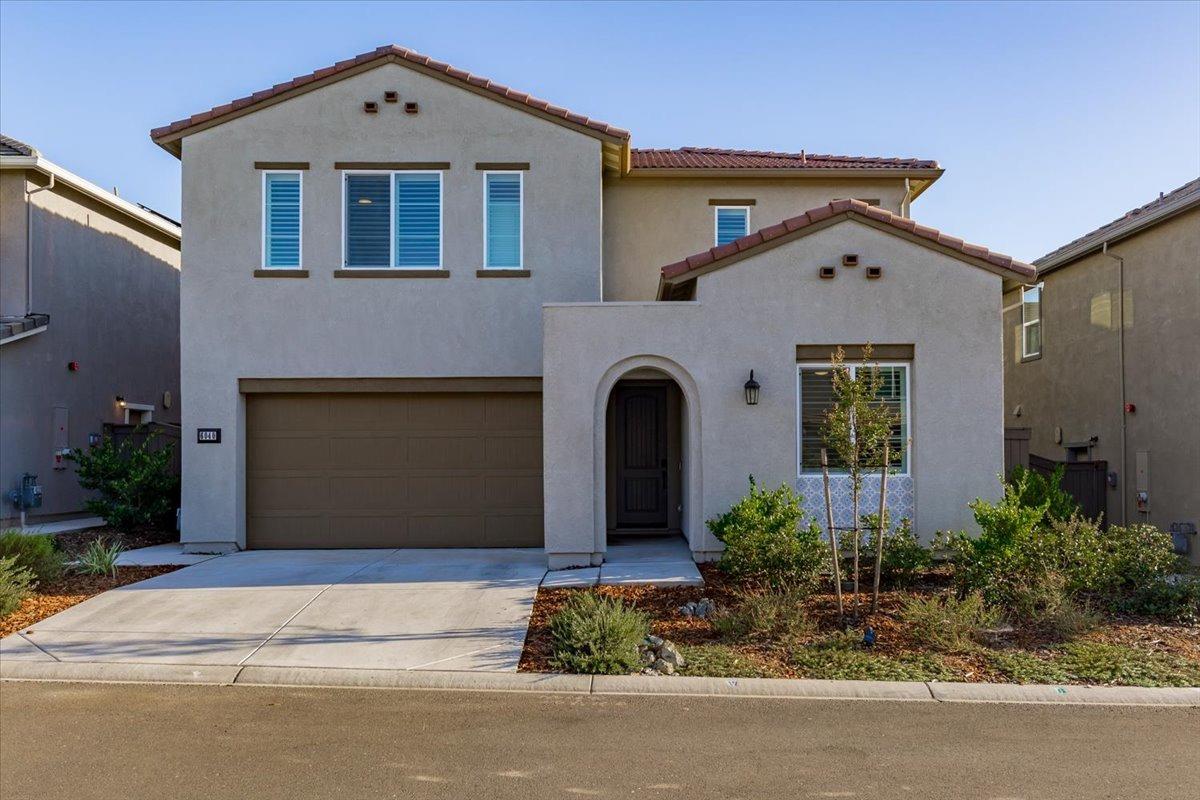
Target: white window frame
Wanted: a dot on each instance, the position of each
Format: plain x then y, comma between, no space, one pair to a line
521,240
1025,323
263,208
803,365
717,215
391,173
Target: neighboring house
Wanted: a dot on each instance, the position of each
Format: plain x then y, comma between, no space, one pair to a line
89,299
536,376
1102,359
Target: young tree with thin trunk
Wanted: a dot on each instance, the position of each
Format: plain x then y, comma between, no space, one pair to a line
856,429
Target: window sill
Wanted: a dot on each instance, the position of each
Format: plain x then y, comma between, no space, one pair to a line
1026,359
391,273
281,273
502,273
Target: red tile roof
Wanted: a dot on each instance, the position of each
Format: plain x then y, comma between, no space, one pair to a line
775,235
718,158
399,55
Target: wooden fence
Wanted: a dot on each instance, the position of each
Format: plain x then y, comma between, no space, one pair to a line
1086,481
163,435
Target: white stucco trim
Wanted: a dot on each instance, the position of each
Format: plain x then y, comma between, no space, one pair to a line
703,546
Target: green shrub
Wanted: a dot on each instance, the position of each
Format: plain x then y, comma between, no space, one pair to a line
1098,662
1045,603
99,558
16,583
1019,546
1034,490
135,482
768,541
947,623
777,614
37,553
597,635
1173,602
904,558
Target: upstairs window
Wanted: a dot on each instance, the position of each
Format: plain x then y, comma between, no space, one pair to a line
816,398
393,219
503,203
1031,322
732,222
281,220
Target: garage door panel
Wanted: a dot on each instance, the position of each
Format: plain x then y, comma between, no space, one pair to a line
290,452
514,452
286,493
463,451
394,470
367,451
514,530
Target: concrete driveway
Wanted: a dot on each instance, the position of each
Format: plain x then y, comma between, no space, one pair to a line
382,609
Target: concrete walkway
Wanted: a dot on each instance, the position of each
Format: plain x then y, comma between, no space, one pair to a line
645,560
162,555
367,609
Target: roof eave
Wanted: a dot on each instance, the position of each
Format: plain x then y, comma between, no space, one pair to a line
927,176
170,138
86,187
1121,230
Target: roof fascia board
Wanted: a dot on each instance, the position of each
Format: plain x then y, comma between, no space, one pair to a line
172,142
784,172
664,284
1121,230
90,189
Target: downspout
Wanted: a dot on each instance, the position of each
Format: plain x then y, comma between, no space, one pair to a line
906,201
29,242
1123,477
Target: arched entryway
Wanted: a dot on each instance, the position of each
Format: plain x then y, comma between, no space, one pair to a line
647,449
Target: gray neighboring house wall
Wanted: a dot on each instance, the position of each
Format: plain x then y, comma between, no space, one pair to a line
86,277
459,405
1094,338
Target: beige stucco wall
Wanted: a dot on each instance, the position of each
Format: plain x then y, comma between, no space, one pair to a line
1075,385
235,325
652,222
751,315
111,288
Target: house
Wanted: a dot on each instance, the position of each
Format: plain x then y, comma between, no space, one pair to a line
424,309
89,322
1100,361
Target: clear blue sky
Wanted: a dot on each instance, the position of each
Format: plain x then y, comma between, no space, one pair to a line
1050,119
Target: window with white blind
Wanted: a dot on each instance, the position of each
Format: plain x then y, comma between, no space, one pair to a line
731,222
393,219
503,224
1031,322
282,193
815,382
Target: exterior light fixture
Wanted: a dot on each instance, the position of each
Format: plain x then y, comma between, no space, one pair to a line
120,401
751,388
364,201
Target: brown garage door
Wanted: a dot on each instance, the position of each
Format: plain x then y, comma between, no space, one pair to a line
422,469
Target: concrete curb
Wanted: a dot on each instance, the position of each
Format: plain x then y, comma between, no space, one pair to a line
555,683
761,687
1064,695
115,673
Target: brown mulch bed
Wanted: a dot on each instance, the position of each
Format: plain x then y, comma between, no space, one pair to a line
662,604
74,543
70,590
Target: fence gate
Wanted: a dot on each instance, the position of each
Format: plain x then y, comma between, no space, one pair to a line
1086,481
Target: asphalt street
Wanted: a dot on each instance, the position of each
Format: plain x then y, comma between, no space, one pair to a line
60,740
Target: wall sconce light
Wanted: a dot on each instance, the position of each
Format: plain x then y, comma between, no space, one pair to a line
120,401
751,387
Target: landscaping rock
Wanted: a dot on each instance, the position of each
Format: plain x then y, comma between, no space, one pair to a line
654,641
701,608
659,656
670,654
663,667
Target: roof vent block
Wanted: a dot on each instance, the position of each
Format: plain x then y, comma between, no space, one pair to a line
411,108
874,272
827,272
391,97
850,260
371,107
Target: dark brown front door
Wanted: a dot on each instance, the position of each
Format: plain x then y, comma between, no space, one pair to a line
641,439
